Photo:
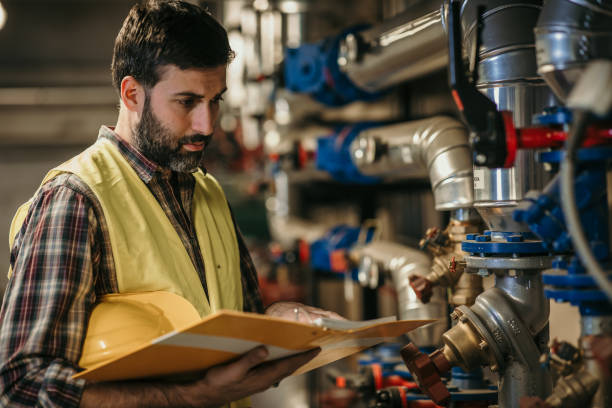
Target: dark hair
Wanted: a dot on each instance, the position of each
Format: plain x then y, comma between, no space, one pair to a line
157,33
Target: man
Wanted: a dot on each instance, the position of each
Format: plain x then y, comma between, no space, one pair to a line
133,213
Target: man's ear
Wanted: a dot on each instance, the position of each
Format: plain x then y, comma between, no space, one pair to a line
132,94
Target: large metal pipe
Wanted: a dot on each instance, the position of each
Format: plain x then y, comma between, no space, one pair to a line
568,34
398,50
507,74
438,145
401,262
506,51
516,311
498,34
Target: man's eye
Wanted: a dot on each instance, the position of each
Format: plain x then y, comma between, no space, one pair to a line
187,102
217,99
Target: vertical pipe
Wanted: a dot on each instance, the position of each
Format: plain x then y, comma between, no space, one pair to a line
516,309
521,334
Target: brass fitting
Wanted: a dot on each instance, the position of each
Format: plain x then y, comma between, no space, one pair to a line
574,390
448,262
467,288
465,347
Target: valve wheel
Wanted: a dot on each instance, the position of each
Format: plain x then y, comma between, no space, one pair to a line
427,370
422,287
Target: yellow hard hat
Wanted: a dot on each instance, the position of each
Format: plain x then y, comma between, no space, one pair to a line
123,322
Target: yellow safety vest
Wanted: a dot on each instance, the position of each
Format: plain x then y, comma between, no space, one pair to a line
147,251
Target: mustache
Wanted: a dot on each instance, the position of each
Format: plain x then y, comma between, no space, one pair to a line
198,138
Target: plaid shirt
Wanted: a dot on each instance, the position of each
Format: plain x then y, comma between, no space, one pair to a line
62,262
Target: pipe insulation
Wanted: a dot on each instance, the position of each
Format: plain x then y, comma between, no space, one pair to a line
397,50
568,34
438,144
401,262
505,41
498,35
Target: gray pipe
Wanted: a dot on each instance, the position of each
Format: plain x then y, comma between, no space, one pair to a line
569,33
395,51
507,74
507,52
401,262
438,146
515,314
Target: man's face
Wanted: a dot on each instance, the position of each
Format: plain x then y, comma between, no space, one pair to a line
179,116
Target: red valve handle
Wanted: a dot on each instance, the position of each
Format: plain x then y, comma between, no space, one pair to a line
427,370
422,288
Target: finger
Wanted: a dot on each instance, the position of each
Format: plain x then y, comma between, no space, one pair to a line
303,316
239,368
278,369
265,375
331,315
334,315
315,313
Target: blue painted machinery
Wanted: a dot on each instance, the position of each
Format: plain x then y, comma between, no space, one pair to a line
334,155
567,280
313,69
329,253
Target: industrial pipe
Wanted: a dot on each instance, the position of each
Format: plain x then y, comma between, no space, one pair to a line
402,262
568,35
398,50
501,43
438,144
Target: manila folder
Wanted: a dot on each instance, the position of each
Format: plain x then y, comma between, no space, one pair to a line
226,334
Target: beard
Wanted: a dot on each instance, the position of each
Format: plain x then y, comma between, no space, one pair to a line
160,145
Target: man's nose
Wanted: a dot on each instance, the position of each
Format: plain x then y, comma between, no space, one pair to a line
203,119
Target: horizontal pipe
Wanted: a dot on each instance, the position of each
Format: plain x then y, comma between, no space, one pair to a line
287,230
395,51
438,146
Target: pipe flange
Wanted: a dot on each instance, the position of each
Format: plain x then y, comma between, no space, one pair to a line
482,244
523,262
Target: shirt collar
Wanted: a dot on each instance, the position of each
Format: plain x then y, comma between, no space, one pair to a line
144,167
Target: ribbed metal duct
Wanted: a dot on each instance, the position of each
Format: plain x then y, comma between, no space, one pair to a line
438,145
401,262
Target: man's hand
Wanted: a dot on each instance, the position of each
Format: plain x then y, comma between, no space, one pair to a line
299,312
220,385
246,376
